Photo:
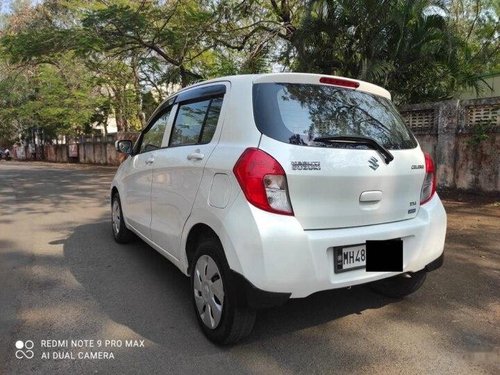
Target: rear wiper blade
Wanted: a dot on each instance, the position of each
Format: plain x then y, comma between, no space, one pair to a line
388,157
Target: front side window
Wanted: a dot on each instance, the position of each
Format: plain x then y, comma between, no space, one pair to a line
303,114
196,122
152,138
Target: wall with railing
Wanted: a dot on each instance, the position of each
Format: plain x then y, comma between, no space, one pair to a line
463,137
85,149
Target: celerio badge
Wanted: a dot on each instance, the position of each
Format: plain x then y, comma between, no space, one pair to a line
373,163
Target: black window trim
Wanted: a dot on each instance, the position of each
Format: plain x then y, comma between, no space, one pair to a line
200,136
203,92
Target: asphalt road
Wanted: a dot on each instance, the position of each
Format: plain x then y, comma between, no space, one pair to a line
63,277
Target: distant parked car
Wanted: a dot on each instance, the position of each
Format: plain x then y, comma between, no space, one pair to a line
267,187
5,154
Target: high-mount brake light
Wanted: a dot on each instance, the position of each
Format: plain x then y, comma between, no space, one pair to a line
263,181
339,82
429,185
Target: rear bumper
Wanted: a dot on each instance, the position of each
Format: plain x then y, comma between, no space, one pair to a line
276,255
435,264
256,298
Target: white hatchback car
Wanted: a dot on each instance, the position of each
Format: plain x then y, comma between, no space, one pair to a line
267,187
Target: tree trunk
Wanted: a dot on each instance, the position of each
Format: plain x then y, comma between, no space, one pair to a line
120,126
183,74
138,95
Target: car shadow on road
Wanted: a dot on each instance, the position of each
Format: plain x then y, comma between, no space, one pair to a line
139,288
41,189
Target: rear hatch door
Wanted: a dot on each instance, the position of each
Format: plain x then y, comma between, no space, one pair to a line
333,183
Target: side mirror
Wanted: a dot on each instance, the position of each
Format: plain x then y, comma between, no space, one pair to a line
125,146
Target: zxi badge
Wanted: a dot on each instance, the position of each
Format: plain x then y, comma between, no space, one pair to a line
373,163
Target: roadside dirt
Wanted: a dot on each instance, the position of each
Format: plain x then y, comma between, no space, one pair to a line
62,276
474,226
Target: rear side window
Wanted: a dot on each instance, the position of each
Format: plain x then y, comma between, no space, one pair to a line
196,122
300,113
211,120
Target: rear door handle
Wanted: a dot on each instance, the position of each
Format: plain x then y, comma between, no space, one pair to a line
195,156
150,160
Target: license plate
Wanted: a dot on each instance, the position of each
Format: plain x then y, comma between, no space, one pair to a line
384,256
350,258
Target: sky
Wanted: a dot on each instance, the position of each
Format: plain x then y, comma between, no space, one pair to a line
4,6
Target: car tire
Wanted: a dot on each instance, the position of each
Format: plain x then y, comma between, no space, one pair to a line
121,233
399,286
222,317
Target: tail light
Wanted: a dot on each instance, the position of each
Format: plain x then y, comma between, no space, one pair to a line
339,82
263,181
429,185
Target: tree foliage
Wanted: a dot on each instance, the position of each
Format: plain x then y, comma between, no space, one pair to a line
68,64
60,98
410,47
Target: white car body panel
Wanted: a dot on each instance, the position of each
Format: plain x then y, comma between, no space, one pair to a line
136,200
330,197
177,173
278,253
314,78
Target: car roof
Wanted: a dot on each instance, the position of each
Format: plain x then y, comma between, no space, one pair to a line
306,78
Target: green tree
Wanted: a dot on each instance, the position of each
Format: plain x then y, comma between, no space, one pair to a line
138,51
476,21
59,98
41,35
409,47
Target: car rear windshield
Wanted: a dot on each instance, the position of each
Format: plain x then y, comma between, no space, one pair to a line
307,114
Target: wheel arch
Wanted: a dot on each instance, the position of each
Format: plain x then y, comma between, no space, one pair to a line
196,233
114,190
206,225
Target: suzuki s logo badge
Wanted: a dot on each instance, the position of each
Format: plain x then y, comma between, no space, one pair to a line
373,163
